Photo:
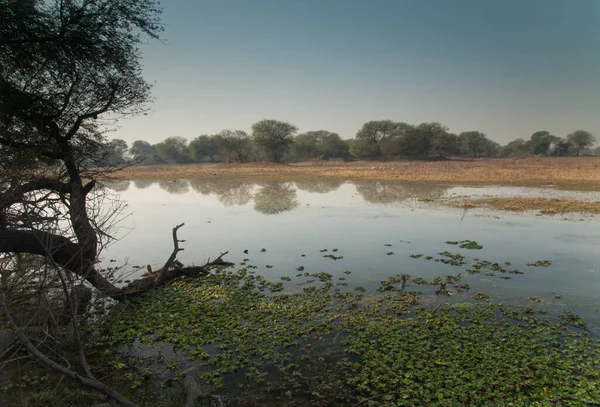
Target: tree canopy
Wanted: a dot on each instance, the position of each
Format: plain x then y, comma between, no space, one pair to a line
319,144
202,147
378,132
67,69
141,148
173,150
274,137
234,144
580,140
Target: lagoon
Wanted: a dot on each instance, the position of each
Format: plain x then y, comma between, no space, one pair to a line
375,226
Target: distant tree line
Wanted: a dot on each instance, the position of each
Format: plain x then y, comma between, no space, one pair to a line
277,141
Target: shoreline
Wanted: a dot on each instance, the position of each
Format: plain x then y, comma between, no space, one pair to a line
568,173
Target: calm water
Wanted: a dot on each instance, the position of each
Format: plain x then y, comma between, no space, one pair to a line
289,219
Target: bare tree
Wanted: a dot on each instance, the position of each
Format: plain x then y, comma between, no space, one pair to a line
68,70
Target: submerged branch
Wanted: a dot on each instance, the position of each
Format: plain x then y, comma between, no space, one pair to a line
171,270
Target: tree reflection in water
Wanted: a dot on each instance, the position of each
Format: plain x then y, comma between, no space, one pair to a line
275,197
319,186
142,183
229,192
177,186
238,193
389,192
117,185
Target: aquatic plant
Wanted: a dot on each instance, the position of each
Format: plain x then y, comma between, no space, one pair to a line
540,263
466,244
326,345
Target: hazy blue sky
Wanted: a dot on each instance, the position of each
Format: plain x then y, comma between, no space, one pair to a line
504,67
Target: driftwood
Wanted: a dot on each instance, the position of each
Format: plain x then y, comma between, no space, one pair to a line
77,303
171,270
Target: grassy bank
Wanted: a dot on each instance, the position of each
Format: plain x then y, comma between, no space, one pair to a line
545,206
577,173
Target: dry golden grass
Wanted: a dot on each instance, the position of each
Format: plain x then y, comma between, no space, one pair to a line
546,206
582,173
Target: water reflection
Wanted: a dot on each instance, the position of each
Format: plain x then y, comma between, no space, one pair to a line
389,192
275,197
229,193
239,193
377,227
319,186
142,183
178,186
116,185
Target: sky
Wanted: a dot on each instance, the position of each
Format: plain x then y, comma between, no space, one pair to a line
507,68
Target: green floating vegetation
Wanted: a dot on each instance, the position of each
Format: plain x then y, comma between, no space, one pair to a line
263,250
484,266
466,244
416,256
333,257
540,263
389,253
480,296
573,319
300,268
325,346
453,259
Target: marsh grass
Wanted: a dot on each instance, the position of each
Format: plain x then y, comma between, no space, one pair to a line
581,173
545,206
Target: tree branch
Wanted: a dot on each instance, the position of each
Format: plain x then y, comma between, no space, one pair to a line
176,248
93,114
46,151
15,195
61,250
168,273
85,381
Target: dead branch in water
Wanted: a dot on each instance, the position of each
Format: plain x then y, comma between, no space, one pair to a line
172,269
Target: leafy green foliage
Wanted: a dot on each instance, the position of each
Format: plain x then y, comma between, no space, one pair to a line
142,149
327,346
540,263
274,137
320,144
203,147
173,150
476,144
580,140
466,244
235,145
